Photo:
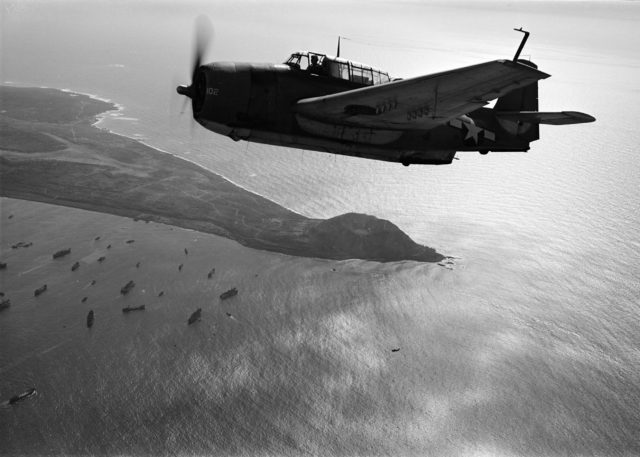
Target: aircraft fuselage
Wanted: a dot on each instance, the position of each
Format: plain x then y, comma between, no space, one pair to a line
256,102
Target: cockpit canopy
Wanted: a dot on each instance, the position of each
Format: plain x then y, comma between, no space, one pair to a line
335,67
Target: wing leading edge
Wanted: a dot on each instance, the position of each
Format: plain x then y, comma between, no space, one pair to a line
422,102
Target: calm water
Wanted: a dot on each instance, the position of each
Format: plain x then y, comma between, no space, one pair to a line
530,346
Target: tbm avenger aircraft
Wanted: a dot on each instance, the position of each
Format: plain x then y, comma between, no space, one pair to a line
318,102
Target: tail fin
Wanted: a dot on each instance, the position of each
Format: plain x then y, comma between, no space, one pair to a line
523,99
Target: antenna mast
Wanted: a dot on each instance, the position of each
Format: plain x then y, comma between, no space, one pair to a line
338,52
524,40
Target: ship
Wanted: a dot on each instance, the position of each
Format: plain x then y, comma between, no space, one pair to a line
229,293
75,266
21,244
26,394
127,287
90,319
39,290
195,316
128,309
4,304
61,253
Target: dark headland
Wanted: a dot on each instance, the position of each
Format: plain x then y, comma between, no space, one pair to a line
51,152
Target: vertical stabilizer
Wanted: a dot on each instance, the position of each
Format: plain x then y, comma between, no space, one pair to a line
523,99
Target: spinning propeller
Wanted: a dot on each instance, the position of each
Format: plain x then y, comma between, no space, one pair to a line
196,90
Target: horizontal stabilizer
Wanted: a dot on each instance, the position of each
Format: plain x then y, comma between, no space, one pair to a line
535,117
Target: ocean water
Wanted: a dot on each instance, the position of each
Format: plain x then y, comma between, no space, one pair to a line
529,346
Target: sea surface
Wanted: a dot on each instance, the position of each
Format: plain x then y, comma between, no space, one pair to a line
530,345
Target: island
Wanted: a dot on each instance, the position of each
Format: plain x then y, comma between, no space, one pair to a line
52,153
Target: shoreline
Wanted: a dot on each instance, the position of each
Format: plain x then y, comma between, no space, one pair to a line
55,153
120,108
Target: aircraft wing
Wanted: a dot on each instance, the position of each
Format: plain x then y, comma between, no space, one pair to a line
551,118
422,102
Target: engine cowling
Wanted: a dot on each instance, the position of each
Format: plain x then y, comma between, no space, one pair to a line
221,95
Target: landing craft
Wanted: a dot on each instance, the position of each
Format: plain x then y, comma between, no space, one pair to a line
319,102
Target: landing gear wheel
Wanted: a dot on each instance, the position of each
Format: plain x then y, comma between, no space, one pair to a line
405,163
484,152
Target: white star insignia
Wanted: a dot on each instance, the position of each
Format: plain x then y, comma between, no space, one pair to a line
472,132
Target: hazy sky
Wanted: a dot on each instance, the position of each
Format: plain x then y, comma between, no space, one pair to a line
407,37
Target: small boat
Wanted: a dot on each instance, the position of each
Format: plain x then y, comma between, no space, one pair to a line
127,287
4,304
21,244
3,265
229,293
61,253
211,273
195,316
75,266
26,394
39,290
90,319
128,309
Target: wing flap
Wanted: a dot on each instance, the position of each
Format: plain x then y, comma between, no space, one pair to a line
422,102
